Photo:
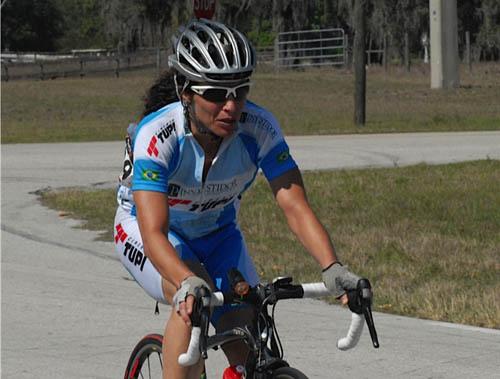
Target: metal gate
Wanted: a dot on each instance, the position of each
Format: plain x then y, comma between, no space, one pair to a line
321,47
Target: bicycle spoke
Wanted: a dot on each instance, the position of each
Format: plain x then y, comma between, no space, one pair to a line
149,368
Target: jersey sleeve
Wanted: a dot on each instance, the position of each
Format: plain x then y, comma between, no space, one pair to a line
155,155
273,156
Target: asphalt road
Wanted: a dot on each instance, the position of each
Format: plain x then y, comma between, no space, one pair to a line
69,309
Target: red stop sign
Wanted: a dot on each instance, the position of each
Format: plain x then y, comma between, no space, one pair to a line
204,8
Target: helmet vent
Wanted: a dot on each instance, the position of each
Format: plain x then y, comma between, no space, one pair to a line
215,55
195,53
185,42
203,36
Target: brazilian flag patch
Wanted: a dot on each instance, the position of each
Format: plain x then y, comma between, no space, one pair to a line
151,175
283,156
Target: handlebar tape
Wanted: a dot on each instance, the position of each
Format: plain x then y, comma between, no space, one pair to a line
355,329
192,355
312,290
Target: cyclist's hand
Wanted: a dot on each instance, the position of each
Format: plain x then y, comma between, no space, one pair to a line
183,299
185,309
344,299
338,279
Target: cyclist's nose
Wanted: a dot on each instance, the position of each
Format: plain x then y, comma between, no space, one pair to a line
231,105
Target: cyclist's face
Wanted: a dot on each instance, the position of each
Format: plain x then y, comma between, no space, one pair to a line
220,118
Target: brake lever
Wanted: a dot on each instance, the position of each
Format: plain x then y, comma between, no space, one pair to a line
201,317
360,302
205,321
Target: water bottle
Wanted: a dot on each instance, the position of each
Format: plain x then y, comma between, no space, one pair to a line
234,372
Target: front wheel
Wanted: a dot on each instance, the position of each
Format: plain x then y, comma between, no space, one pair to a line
288,373
146,359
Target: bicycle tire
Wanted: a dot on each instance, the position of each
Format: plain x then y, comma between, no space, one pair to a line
288,373
146,358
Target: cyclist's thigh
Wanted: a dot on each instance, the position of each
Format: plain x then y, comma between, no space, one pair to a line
129,246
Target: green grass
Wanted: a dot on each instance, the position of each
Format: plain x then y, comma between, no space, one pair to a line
426,236
315,101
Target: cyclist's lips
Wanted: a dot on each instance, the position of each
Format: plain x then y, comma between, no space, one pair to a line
227,123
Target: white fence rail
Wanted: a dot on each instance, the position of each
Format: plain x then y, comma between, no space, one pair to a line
322,47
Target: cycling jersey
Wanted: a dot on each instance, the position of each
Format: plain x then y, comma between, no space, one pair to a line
168,159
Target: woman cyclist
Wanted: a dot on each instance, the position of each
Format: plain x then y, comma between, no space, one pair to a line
197,148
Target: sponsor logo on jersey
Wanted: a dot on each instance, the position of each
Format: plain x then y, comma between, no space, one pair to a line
161,136
174,202
259,122
210,204
120,234
200,207
166,131
175,190
283,156
151,175
152,150
135,255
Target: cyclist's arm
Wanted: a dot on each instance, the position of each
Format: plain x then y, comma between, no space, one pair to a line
290,195
152,216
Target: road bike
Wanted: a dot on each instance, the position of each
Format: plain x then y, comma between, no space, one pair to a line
265,360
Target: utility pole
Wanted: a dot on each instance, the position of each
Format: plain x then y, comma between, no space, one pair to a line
359,52
444,44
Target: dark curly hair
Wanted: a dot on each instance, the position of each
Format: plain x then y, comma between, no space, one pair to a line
162,92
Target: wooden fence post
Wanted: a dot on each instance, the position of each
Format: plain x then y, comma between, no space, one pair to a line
6,69
407,52
82,71
42,73
385,55
346,52
117,69
276,53
468,55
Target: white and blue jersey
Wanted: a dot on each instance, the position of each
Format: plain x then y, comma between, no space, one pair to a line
168,159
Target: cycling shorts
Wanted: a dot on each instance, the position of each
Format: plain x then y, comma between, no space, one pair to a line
217,252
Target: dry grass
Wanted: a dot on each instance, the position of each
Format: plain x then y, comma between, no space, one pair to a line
316,101
426,236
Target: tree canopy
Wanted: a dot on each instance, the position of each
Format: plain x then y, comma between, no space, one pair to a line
128,25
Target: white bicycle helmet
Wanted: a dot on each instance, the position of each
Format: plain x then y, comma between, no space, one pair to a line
210,52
